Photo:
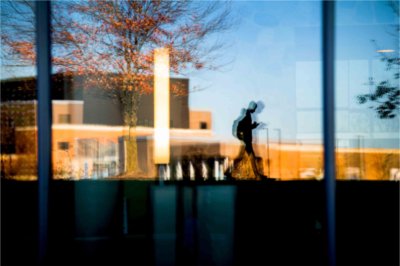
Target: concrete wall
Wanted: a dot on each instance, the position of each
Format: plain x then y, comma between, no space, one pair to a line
198,117
100,109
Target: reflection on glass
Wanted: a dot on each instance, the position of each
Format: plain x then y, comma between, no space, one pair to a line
221,58
367,91
103,88
18,95
247,164
108,53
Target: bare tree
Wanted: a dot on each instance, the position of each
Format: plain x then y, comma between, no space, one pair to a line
111,43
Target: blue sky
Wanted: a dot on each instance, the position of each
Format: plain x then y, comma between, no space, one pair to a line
277,53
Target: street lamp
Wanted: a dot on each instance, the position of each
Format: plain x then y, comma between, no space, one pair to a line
268,160
279,153
360,147
299,145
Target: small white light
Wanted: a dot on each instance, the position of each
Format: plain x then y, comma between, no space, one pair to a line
385,51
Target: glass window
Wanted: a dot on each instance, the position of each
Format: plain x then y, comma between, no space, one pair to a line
205,91
63,145
18,151
64,119
174,92
18,91
367,90
203,125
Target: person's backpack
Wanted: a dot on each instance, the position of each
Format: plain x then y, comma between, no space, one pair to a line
240,130
238,126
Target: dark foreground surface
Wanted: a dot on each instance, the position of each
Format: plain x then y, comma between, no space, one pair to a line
242,223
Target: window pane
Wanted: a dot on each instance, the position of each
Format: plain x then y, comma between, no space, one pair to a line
171,90
219,60
18,92
18,133
367,90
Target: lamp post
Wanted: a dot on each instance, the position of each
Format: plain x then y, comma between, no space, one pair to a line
299,156
279,151
97,159
360,147
268,159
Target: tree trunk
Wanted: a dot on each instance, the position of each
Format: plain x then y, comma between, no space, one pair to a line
129,108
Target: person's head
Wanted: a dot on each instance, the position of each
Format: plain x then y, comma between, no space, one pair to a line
252,107
260,106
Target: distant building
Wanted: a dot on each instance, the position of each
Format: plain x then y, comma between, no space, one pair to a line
88,127
88,140
200,119
98,107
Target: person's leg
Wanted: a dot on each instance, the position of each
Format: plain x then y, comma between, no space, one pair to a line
250,152
252,157
234,168
254,164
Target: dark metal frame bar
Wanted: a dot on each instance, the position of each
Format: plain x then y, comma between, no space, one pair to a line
328,112
44,121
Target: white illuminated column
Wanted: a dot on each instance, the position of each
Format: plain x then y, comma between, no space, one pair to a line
161,109
179,171
216,170
191,172
204,171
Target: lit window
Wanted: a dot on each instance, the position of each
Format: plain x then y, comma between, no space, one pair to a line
63,146
64,119
203,125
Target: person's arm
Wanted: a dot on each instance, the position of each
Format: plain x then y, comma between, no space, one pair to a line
254,125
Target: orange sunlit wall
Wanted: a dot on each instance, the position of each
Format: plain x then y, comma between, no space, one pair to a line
287,162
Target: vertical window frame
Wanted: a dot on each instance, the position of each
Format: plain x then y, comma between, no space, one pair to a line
44,122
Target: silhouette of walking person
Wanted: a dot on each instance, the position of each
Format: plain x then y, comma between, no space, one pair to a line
244,127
